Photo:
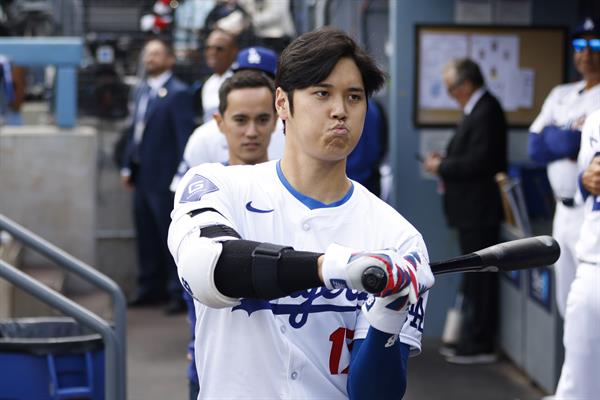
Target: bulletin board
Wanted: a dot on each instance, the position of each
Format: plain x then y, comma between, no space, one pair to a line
520,66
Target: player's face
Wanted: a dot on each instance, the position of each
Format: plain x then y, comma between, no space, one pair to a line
247,124
587,62
156,58
328,117
220,51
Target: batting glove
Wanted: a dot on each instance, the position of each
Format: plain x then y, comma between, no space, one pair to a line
386,314
344,268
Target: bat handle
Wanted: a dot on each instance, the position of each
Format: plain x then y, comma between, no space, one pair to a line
374,279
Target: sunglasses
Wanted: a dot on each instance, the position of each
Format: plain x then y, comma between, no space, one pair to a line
580,44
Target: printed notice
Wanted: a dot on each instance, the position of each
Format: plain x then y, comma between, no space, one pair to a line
436,50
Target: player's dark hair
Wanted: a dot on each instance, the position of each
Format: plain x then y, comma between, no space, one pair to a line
468,70
244,79
310,58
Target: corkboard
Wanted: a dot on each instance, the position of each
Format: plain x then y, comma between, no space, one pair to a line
540,49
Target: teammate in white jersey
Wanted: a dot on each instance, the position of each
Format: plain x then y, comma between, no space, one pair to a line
579,375
246,117
554,140
279,322
207,144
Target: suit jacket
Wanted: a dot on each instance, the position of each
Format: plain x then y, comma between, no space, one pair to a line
477,151
169,124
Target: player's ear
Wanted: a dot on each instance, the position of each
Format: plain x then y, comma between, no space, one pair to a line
282,104
219,118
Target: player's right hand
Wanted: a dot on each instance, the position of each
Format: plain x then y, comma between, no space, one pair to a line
344,268
591,177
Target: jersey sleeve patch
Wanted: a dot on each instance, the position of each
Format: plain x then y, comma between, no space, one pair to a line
197,187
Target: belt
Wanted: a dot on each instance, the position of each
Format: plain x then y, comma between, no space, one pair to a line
567,202
597,264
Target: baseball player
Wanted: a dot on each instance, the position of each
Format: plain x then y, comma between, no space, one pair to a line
207,143
247,118
273,253
554,140
579,377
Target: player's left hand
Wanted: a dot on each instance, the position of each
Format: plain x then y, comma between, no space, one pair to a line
344,268
386,314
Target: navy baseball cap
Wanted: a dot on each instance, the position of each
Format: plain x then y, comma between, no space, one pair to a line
589,26
259,58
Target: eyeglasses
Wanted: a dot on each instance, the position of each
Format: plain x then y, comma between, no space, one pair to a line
580,44
454,86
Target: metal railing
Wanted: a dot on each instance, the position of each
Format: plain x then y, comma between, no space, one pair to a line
81,315
115,340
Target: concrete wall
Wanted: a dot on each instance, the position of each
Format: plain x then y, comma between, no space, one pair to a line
48,184
115,235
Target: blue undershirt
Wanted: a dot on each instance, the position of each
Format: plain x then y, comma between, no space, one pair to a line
377,371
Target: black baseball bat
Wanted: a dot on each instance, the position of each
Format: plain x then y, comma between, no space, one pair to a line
517,254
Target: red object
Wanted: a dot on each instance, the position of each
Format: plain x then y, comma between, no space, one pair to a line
161,23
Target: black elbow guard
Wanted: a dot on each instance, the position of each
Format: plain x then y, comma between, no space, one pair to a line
264,270
265,261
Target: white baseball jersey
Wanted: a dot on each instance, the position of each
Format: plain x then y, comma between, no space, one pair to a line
579,376
588,246
208,144
566,107
210,94
297,346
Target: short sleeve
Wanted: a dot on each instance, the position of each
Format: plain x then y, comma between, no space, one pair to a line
204,186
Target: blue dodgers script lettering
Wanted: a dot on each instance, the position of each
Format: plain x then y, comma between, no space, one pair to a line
299,312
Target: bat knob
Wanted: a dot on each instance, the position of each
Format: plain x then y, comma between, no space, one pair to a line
374,279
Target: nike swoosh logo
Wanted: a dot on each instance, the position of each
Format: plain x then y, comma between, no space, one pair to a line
256,210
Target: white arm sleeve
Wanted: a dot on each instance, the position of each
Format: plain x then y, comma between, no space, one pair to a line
196,257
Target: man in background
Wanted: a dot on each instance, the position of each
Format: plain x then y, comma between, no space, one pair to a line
557,137
220,52
578,377
162,122
554,139
472,201
207,143
246,118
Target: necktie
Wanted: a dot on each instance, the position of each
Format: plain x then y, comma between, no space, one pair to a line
140,115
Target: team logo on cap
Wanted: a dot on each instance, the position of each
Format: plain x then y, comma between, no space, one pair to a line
588,25
197,187
253,56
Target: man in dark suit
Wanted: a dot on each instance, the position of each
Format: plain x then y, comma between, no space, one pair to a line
472,201
162,122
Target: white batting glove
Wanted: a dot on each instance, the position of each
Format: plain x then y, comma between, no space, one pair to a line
386,314
343,268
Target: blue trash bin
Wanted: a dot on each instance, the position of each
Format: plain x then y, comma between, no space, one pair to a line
50,358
